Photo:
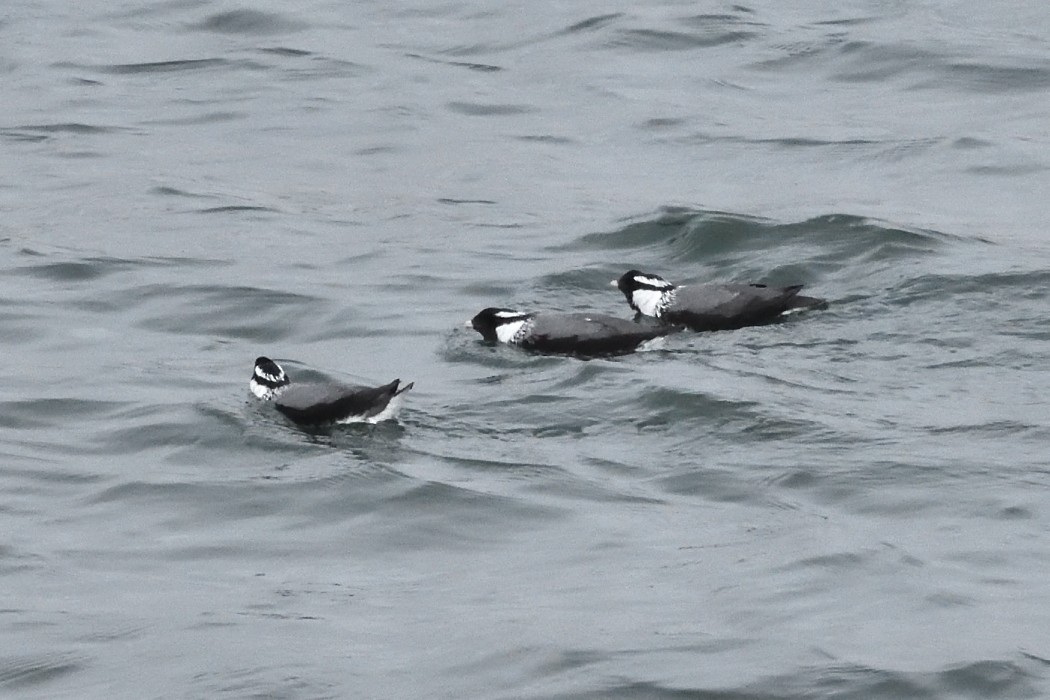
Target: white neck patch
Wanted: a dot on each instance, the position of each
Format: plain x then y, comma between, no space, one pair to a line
507,332
652,302
261,391
262,383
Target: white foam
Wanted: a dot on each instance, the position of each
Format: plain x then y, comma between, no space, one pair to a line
657,343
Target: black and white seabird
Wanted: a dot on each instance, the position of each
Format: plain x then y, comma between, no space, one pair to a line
711,307
321,404
572,334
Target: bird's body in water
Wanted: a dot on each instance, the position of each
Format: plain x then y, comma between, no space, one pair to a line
324,403
711,307
582,334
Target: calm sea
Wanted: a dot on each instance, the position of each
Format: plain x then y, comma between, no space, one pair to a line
854,503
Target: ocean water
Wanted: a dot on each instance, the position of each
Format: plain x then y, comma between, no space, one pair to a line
849,504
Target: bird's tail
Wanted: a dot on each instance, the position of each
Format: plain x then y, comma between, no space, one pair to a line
800,302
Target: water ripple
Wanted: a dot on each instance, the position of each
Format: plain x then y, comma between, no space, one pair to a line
24,672
173,66
250,22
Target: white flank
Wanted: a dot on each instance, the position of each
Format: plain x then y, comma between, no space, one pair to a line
649,301
389,411
507,331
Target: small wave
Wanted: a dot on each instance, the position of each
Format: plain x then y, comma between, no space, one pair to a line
91,268
82,271
262,315
508,460
1017,170
592,23
725,419
70,128
667,40
174,66
869,62
989,79
250,22
990,679
806,55
999,287
52,412
983,679
164,66
434,515
476,109
465,345
686,33
480,67
249,438
456,202
237,209
27,671
286,51
22,136
545,138
680,238
206,118
13,562
166,191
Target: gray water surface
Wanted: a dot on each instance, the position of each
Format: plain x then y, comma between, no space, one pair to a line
848,504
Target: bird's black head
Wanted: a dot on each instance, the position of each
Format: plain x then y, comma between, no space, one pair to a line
489,322
643,290
633,280
267,377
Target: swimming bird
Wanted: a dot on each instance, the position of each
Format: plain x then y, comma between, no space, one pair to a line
571,334
324,403
711,307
